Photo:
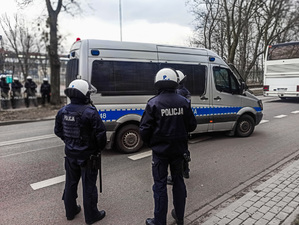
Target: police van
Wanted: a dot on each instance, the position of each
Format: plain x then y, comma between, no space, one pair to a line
124,72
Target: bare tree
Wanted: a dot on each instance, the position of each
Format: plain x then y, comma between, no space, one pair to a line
20,40
240,30
53,9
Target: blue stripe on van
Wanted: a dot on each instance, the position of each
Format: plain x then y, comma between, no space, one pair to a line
109,115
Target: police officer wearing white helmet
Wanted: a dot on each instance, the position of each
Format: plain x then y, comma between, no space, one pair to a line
30,91
182,90
80,126
164,127
45,90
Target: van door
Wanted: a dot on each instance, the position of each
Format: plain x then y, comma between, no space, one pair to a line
201,101
226,100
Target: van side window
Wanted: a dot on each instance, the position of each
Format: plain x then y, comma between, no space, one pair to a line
124,78
196,76
225,81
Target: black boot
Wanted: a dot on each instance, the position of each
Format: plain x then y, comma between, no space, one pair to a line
150,221
72,217
178,222
100,216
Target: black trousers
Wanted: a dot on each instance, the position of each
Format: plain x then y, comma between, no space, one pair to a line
90,194
45,97
159,171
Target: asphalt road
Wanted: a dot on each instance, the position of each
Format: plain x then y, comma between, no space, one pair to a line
30,153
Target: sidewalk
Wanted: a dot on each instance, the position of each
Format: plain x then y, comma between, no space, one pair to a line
274,202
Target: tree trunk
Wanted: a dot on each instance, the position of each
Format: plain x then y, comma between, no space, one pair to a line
53,53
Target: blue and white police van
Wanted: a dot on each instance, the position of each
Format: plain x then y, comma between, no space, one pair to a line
123,73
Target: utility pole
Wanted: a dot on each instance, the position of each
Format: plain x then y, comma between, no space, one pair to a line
120,21
1,55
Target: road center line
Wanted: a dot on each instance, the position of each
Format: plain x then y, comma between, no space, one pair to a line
49,182
140,155
264,121
23,140
295,112
280,116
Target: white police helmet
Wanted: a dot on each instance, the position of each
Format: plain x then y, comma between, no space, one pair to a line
181,76
80,89
166,78
15,78
29,78
45,79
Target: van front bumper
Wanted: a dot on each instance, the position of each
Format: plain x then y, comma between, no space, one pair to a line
259,117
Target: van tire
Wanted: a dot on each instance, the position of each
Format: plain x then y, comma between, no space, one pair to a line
128,139
245,126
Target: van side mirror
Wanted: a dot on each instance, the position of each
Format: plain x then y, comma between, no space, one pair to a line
243,87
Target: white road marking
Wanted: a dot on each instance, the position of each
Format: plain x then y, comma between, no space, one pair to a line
264,121
36,150
140,155
295,112
49,182
280,116
23,140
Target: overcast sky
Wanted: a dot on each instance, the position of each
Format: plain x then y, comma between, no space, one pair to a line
152,21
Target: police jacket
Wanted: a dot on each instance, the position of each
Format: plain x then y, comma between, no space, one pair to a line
165,123
45,88
4,86
30,87
182,90
81,128
16,87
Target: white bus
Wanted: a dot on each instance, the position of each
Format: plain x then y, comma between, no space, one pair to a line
123,73
281,74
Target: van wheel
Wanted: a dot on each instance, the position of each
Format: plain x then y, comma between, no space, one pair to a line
245,126
128,139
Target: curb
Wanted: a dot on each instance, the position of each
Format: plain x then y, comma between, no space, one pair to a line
210,209
12,122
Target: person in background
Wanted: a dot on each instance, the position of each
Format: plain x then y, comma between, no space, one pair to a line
80,126
4,86
4,89
182,90
45,91
164,127
16,87
30,91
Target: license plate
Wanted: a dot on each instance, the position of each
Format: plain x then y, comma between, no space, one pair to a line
282,89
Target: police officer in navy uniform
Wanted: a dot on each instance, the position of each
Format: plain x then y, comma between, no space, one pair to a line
80,127
182,90
4,87
30,91
16,87
45,90
164,127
